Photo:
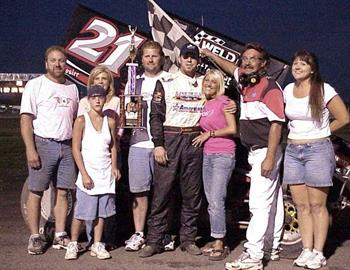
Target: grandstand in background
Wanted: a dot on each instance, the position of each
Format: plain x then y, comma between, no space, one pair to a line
11,89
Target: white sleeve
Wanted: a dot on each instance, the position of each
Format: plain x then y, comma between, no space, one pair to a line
118,105
76,102
28,102
287,90
236,75
329,93
115,104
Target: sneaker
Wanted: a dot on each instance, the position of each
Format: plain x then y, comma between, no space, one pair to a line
135,242
61,241
305,256
36,245
317,261
275,254
192,249
244,261
72,251
149,250
169,243
98,250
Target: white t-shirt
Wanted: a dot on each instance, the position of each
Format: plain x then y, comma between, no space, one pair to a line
53,105
301,124
148,85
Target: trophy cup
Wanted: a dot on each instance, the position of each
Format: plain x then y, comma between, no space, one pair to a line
131,114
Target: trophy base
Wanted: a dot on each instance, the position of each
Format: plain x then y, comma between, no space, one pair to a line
131,112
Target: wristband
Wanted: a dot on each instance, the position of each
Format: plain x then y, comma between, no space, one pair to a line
212,134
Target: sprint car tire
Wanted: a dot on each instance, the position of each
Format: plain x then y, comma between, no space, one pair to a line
291,232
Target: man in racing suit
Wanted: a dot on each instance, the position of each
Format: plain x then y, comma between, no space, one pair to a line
175,112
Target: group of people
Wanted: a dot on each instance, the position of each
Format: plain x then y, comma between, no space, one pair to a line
189,140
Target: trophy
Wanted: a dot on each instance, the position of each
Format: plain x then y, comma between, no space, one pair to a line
131,114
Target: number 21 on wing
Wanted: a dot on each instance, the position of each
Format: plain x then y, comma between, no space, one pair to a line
104,45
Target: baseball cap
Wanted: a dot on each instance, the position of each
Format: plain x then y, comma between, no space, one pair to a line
190,49
96,90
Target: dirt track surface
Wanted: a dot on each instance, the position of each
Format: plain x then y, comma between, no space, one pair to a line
13,252
14,233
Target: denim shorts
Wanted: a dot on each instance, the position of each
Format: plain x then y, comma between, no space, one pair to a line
89,207
141,167
57,165
312,164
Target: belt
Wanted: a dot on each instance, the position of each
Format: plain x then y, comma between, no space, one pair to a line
256,147
52,140
181,130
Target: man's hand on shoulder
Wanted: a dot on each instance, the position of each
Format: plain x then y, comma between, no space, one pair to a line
231,107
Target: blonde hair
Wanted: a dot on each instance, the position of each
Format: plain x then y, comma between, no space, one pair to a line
110,92
219,77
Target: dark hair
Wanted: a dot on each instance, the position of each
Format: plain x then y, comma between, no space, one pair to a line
316,89
150,44
258,47
55,48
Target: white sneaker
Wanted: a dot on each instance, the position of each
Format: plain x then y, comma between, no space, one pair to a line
169,243
275,254
317,261
135,242
72,251
61,242
245,262
305,256
98,250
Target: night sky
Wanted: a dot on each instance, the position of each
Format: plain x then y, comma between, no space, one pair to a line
27,28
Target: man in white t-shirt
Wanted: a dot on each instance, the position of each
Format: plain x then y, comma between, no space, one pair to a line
48,108
141,158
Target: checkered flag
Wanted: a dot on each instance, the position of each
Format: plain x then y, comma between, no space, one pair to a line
169,34
203,35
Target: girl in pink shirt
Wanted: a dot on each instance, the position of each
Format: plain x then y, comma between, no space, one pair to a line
218,159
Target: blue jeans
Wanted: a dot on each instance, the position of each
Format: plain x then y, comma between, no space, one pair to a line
217,170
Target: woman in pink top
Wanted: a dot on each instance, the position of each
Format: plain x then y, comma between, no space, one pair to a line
218,159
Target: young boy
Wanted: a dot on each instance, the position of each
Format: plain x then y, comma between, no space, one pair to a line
94,151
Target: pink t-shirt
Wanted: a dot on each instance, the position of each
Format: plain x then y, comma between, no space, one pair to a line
213,118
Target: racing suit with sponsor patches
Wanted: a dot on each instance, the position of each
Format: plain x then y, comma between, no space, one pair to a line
175,112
